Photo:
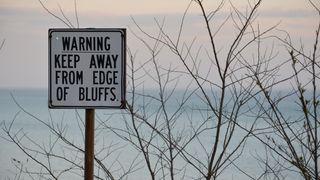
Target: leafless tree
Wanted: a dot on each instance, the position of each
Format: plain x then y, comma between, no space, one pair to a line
293,139
213,99
221,89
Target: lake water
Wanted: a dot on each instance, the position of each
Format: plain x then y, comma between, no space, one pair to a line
116,153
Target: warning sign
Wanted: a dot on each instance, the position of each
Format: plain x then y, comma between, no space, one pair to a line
87,68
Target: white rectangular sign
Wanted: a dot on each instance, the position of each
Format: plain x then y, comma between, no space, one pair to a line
87,68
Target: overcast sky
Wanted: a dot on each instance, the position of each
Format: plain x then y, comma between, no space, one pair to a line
24,27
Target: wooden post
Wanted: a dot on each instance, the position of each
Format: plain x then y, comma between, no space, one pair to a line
89,145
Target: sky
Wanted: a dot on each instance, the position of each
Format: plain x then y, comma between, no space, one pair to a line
24,27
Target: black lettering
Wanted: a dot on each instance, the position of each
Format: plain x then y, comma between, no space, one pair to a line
81,93
76,59
73,59
86,43
81,43
101,92
66,60
57,76
66,43
105,77
92,62
94,94
100,60
97,94
69,77
113,94
87,94
103,61
106,93
115,77
99,44
108,63
63,60
115,58
89,43
95,77
106,43
74,44
64,77
79,79
69,60
65,92
56,61
61,93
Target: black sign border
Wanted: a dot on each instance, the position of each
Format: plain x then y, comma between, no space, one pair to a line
123,73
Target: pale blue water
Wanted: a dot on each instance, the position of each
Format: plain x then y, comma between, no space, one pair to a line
34,101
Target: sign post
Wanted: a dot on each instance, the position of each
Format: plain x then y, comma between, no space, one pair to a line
87,70
89,145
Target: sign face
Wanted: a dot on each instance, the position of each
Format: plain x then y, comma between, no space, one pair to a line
87,68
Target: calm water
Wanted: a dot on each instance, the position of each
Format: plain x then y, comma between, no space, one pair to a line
35,102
